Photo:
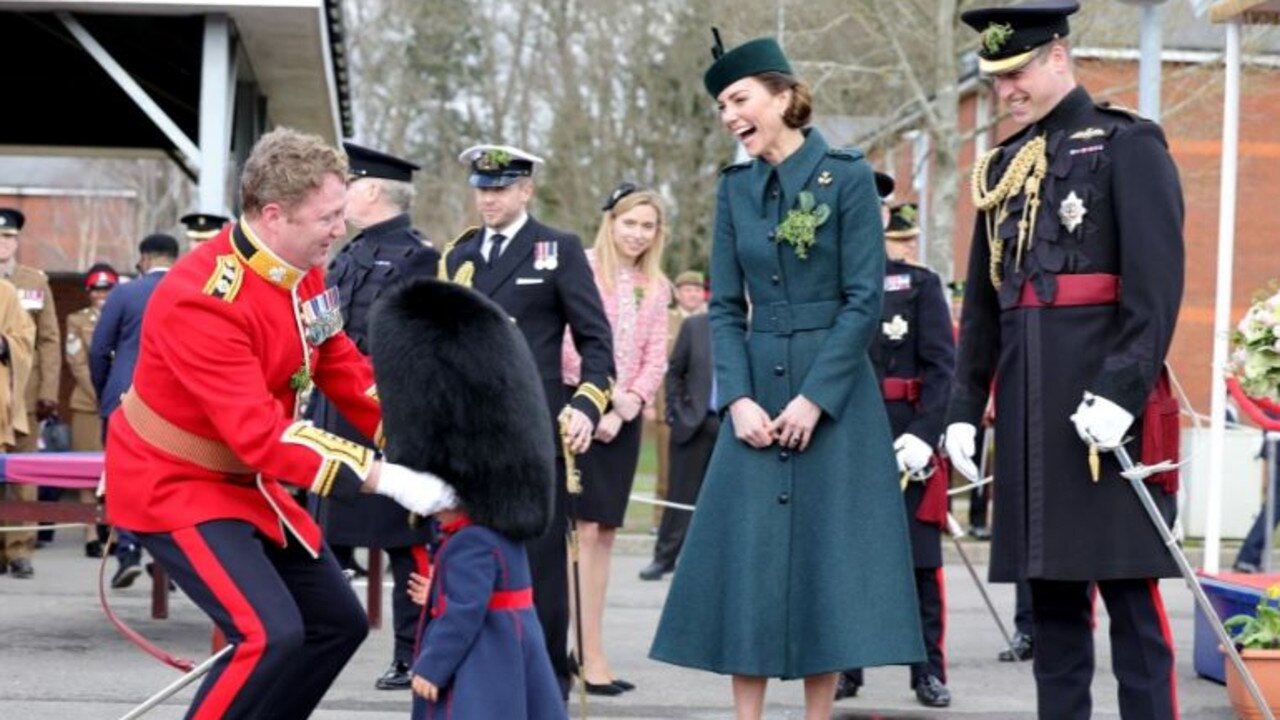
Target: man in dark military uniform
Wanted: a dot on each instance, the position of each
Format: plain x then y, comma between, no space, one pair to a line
914,356
41,392
387,250
1075,278
540,276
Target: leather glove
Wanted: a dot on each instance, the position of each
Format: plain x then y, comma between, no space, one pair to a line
1101,422
913,453
959,444
420,492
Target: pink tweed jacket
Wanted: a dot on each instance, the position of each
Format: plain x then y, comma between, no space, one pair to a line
638,315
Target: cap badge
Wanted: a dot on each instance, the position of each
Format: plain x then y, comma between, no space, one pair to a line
1072,211
824,178
276,273
493,160
895,329
995,36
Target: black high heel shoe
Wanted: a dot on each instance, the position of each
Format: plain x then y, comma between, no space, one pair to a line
608,689
611,688
623,685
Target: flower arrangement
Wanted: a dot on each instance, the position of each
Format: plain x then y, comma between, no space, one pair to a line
1260,631
799,228
1255,359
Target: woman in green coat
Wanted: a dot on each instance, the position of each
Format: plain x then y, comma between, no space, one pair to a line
797,561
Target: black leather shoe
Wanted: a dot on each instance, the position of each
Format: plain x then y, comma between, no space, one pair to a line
21,568
1022,649
623,685
395,678
93,549
655,570
979,532
846,688
1244,566
608,689
932,693
129,570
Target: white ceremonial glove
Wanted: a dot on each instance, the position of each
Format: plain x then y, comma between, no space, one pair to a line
913,453
1101,422
959,444
420,492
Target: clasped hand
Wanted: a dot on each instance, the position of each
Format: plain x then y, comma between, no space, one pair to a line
793,428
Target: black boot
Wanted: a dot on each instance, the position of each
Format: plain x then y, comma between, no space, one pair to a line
395,678
1021,650
932,693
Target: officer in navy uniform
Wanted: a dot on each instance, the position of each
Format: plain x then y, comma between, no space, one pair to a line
387,250
1074,284
540,277
914,356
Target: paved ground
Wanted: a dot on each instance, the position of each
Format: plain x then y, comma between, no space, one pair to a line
60,659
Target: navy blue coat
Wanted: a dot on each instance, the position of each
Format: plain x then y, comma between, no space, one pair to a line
114,349
487,663
376,259
916,342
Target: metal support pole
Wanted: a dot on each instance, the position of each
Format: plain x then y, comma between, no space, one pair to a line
215,127
1150,48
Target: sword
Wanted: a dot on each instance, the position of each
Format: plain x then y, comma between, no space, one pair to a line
172,688
956,532
1136,474
573,483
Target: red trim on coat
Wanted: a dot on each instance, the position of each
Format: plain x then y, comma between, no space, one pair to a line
249,650
942,603
1167,633
422,563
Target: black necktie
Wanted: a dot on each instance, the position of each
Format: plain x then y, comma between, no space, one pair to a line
495,249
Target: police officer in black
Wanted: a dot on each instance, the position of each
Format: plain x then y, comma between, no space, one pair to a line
1074,284
914,356
387,250
540,277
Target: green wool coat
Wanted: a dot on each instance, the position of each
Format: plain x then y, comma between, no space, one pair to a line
797,563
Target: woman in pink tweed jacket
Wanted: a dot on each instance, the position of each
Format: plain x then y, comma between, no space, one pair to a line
626,260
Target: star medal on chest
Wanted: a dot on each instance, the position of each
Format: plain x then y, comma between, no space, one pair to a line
546,255
799,228
895,329
1072,211
321,317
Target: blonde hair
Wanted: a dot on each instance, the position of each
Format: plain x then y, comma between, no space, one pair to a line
284,167
606,250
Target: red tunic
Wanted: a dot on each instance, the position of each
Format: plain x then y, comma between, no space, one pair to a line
209,430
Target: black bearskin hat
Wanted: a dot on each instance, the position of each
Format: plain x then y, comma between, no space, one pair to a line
461,398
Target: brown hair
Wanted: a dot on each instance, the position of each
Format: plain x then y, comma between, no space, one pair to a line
800,110
285,166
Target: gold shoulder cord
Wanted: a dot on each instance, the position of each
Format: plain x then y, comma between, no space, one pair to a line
465,273
1024,175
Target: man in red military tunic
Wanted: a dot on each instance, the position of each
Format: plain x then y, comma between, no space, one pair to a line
207,443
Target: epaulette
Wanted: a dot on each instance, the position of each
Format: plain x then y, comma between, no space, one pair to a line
463,276
462,237
735,167
851,154
227,277
1107,106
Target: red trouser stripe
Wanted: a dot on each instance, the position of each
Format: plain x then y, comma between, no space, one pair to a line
250,648
942,602
1158,602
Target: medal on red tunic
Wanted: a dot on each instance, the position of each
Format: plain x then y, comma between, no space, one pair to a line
321,317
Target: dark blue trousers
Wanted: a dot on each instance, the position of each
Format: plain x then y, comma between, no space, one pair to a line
1141,649
293,619
1251,549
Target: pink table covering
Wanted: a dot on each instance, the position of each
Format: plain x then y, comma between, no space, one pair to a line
64,470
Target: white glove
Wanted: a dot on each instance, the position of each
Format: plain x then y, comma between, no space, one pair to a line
420,492
913,453
1101,422
959,444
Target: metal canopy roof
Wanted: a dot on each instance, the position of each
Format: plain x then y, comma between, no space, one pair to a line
60,98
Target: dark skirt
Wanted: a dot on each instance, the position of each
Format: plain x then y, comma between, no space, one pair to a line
608,471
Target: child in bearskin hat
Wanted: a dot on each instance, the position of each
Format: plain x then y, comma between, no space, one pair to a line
461,397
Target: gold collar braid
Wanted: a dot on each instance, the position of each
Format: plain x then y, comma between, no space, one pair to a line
1024,175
